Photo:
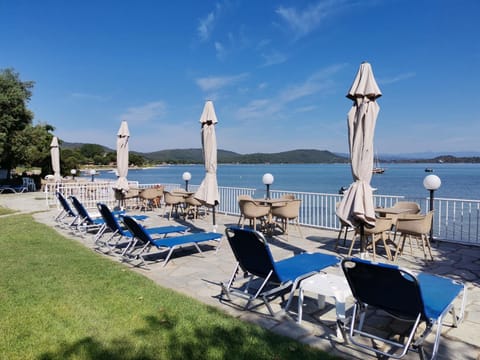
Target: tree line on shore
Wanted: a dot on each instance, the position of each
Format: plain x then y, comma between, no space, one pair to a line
25,145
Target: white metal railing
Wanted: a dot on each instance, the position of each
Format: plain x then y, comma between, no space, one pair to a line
455,220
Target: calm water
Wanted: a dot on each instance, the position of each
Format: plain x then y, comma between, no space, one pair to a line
458,180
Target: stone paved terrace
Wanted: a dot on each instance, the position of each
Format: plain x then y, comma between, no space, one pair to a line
199,277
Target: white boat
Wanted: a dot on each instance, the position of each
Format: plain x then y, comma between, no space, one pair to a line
377,169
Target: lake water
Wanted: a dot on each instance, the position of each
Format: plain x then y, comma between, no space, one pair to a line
460,181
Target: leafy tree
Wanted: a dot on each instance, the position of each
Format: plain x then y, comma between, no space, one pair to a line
136,160
31,147
70,159
14,114
90,151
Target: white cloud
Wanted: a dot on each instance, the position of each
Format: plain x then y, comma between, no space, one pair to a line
213,83
262,85
220,50
304,21
205,27
396,78
273,58
79,95
272,107
145,113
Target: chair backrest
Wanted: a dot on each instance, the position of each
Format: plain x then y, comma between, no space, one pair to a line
381,225
170,198
131,193
384,286
137,230
411,207
252,252
191,200
417,225
288,197
252,209
82,212
65,205
244,197
150,193
109,219
290,210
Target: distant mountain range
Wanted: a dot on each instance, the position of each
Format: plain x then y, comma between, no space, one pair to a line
224,156
305,156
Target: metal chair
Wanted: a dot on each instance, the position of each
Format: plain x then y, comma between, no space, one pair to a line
422,300
253,256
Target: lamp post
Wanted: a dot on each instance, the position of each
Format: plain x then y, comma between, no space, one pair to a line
93,173
74,173
431,183
186,177
267,180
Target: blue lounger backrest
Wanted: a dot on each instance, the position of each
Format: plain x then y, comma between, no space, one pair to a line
385,286
81,210
137,230
252,252
110,219
64,203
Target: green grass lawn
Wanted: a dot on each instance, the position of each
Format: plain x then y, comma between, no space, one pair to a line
6,211
60,300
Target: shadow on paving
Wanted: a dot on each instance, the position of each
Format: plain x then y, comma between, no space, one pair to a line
162,338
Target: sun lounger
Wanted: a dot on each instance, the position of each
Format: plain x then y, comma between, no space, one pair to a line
422,300
169,244
13,189
66,212
117,233
277,277
84,222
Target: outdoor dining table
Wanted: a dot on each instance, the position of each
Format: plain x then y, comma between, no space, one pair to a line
272,203
184,194
390,211
385,212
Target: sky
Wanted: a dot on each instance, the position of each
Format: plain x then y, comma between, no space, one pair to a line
277,71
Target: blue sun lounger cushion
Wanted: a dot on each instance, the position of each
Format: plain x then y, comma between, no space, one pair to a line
66,212
415,298
168,243
255,259
117,233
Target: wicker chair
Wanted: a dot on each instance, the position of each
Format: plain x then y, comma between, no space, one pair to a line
193,206
240,205
252,211
290,211
407,207
149,198
418,226
174,201
379,232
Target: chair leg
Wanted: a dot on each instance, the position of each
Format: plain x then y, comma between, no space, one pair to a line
426,244
297,223
401,244
374,245
338,237
353,242
387,247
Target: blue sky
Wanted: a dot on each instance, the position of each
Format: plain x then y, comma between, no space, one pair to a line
277,71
